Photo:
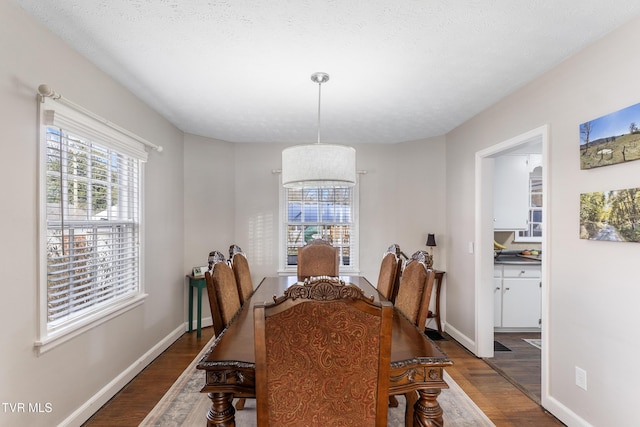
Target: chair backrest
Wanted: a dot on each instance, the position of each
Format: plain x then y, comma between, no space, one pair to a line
416,286
323,357
390,271
222,291
318,258
240,267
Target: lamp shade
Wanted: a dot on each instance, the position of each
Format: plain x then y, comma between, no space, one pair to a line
318,165
431,240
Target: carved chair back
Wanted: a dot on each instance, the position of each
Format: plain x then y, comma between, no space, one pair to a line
240,267
390,271
318,258
323,357
416,286
222,291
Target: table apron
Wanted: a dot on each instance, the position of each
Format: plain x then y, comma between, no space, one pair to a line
407,379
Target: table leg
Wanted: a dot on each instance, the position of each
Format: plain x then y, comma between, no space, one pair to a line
427,412
221,413
199,334
190,306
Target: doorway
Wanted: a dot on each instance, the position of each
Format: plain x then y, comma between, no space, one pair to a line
484,237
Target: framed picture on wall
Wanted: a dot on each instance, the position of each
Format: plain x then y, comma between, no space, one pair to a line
610,215
611,139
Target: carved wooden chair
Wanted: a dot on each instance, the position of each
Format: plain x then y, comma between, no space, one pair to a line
322,357
416,287
240,267
318,258
222,291
390,271
414,294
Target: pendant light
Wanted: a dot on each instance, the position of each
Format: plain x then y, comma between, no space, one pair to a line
319,165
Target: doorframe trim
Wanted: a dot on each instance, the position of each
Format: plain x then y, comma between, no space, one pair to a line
483,258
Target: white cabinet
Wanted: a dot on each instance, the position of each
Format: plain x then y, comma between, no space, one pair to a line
497,295
511,190
518,299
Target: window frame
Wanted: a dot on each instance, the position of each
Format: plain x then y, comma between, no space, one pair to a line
535,190
353,268
53,114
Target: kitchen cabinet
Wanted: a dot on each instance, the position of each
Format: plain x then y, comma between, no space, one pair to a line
511,190
517,296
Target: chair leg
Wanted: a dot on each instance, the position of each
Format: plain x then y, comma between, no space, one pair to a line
393,402
240,404
411,399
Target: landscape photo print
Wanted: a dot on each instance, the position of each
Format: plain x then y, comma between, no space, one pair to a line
611,139
610,215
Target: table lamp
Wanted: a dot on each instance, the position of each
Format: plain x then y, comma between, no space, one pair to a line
431,242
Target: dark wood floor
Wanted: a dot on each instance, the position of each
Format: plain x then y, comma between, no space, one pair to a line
505,404
522,365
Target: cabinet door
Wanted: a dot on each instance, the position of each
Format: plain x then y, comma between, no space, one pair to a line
511,193
521,303
497,302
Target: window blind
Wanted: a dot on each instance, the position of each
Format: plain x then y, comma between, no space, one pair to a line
92,223
320,212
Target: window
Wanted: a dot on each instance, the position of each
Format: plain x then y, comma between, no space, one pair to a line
320,212
90,224
533,232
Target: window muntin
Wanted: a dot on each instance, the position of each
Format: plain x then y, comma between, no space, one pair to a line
320,212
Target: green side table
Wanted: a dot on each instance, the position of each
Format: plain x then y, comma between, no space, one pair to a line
198,283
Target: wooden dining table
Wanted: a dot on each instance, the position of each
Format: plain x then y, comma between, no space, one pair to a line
417,364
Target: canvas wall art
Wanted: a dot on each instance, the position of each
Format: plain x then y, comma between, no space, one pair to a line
610,215
611,139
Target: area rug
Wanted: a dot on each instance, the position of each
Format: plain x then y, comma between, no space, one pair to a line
184,406
534,342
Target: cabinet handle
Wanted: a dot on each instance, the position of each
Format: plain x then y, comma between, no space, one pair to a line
506,289
497,288
521,271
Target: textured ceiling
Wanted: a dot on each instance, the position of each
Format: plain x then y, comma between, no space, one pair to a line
401,70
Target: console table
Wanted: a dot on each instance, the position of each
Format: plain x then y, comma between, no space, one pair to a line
198,283
436,314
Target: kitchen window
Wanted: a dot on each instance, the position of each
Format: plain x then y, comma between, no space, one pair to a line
533,232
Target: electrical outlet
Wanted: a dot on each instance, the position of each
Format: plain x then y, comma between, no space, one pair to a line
581,378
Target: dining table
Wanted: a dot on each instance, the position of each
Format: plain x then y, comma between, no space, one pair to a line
417,364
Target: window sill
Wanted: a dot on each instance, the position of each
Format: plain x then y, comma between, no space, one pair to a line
51,339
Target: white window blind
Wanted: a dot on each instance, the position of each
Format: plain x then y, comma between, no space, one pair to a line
92,220
328,213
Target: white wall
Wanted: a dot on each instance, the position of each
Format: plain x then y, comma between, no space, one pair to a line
70,374
593,315
402,198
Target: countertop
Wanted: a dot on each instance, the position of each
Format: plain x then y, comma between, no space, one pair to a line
510,257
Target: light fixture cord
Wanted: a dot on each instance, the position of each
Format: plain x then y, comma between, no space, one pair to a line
319,97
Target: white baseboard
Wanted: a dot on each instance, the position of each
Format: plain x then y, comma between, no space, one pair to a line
95,402
464,340
206,321
564,414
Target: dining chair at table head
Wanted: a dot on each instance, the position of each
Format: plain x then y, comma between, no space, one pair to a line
322,357
240,267
416,286
390,271
318,258
222,291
